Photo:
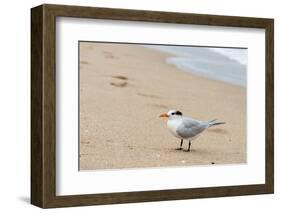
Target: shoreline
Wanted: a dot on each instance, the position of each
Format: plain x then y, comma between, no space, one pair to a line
203,62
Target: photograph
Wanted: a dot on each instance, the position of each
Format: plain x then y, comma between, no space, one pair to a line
160,105
140,105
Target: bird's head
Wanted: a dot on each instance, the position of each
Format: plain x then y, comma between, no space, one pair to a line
171,114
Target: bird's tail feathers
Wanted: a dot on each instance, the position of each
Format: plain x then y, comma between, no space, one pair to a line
215,122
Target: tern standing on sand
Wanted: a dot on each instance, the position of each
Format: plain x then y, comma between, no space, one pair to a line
186,128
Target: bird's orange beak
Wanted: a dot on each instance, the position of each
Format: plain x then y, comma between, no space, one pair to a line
164,115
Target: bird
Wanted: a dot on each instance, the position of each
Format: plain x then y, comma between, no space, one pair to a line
186,128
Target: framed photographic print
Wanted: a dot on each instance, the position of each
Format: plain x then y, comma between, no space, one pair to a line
136,106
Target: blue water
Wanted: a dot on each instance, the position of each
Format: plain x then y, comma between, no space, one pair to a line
224,64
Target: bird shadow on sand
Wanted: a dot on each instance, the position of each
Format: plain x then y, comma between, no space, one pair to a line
191,152
218,130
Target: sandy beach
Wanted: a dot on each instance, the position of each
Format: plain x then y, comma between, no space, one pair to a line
124,88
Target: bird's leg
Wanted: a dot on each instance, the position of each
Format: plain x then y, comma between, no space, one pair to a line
189,145
180,145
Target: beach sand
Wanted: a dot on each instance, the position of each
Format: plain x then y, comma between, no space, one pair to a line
124,88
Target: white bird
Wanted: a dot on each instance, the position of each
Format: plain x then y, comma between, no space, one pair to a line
186,128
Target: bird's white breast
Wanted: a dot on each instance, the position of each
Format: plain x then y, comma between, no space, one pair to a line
173,124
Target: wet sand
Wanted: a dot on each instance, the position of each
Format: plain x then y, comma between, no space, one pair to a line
124,88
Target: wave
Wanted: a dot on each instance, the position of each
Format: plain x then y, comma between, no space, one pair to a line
224,64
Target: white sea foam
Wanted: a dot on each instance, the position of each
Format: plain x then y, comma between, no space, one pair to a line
224,64
240,55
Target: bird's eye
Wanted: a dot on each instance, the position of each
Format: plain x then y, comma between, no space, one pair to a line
173,113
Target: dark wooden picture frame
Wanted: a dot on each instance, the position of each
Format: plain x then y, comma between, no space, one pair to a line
43,105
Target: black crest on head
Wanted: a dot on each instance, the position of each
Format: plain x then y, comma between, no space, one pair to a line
177,113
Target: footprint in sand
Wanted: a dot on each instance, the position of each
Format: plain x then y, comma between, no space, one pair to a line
153,97
109,55
160,106
120,81
149,95
121,77
121,84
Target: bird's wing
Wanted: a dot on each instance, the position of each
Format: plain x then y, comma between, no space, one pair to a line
190,128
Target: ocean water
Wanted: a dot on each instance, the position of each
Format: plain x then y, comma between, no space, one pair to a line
224,64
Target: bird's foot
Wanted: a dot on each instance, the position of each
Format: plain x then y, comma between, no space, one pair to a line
178,148
186,150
